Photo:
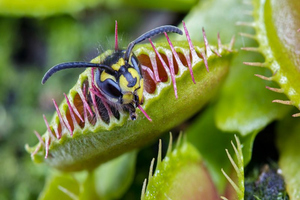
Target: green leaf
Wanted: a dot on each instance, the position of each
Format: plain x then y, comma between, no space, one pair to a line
205,136
60,186
109,181
245,105
113,178
224,15
180,175
276,24
289,158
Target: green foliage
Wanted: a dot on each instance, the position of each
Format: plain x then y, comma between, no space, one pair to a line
178,174
280,50
45,8
238,102
109,181
289,162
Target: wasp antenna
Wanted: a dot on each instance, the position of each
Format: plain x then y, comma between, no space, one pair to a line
116,36
149,34
70,65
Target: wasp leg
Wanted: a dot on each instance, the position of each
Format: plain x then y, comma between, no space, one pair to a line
131,109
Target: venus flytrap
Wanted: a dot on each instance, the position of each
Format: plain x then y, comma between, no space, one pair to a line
276,24
245,99
238,168
180,175
86,131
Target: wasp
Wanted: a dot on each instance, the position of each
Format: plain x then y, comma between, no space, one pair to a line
119,76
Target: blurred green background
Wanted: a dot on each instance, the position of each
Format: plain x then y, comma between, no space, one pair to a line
34,36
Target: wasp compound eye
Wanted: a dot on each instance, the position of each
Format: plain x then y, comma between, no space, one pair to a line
108,85
111,88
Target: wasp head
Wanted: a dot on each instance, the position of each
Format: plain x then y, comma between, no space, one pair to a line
123,83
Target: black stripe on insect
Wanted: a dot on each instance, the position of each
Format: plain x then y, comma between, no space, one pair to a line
118,77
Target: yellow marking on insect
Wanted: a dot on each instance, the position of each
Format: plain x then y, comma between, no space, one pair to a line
117,65
123,84
127,98
139,91
105,76
134,74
